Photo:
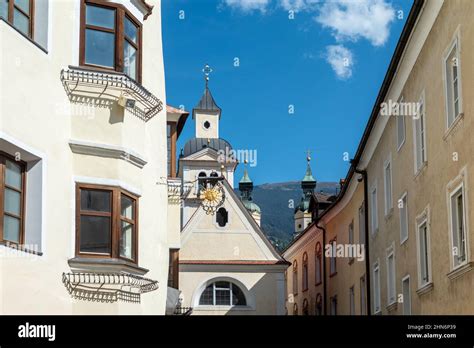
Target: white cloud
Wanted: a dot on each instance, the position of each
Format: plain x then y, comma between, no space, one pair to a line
298,5
248,5
341,60
353,19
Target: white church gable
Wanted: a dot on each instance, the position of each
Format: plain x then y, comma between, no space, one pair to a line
240,239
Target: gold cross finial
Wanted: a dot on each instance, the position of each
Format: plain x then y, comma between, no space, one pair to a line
308,155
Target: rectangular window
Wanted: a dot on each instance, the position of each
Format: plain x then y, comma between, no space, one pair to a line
403,208
333,302
406,292
351,238
376,288
423,253
351,301
420,136
363,292
388,186
318,269
19,13
362,224
400,126
391,286
106,222
458,231
452,69
173,269
110,39
12,204
374,224
332,259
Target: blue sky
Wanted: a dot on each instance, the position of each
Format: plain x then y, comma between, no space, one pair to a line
326,63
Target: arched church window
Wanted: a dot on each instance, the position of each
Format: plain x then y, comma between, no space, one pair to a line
214,175
319,304
305,271
222,217
318,263
295,277
207,125
305,307
200,184
295,309
222,293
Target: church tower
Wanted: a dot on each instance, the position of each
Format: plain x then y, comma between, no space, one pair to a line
206,154
246,188
302,213
207,114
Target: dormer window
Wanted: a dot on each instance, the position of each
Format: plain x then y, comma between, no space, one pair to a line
110,38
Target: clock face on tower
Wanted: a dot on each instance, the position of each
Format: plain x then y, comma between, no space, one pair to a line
212,198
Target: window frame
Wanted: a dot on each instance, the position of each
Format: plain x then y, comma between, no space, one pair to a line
393,275
361,217
423,219
422,152
406,279
23,166
404,199
30,16
374,211
352,300
388,187
351,240
304,278
455,44
295,277
318,264
377,291
456,191
214,296
115,222
402,118
333,257
120,14
305,307
333,305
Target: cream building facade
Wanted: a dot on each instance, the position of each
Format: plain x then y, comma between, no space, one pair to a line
83,146
420,172
409,183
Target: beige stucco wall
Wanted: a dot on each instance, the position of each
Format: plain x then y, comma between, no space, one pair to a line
429,188
36,112
348,274
306,245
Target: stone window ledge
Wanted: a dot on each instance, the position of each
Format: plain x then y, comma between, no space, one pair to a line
425,289
459,271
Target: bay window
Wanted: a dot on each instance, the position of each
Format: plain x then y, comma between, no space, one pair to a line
110,38
106,222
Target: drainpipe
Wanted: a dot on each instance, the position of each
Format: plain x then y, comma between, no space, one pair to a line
366,246
324,267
